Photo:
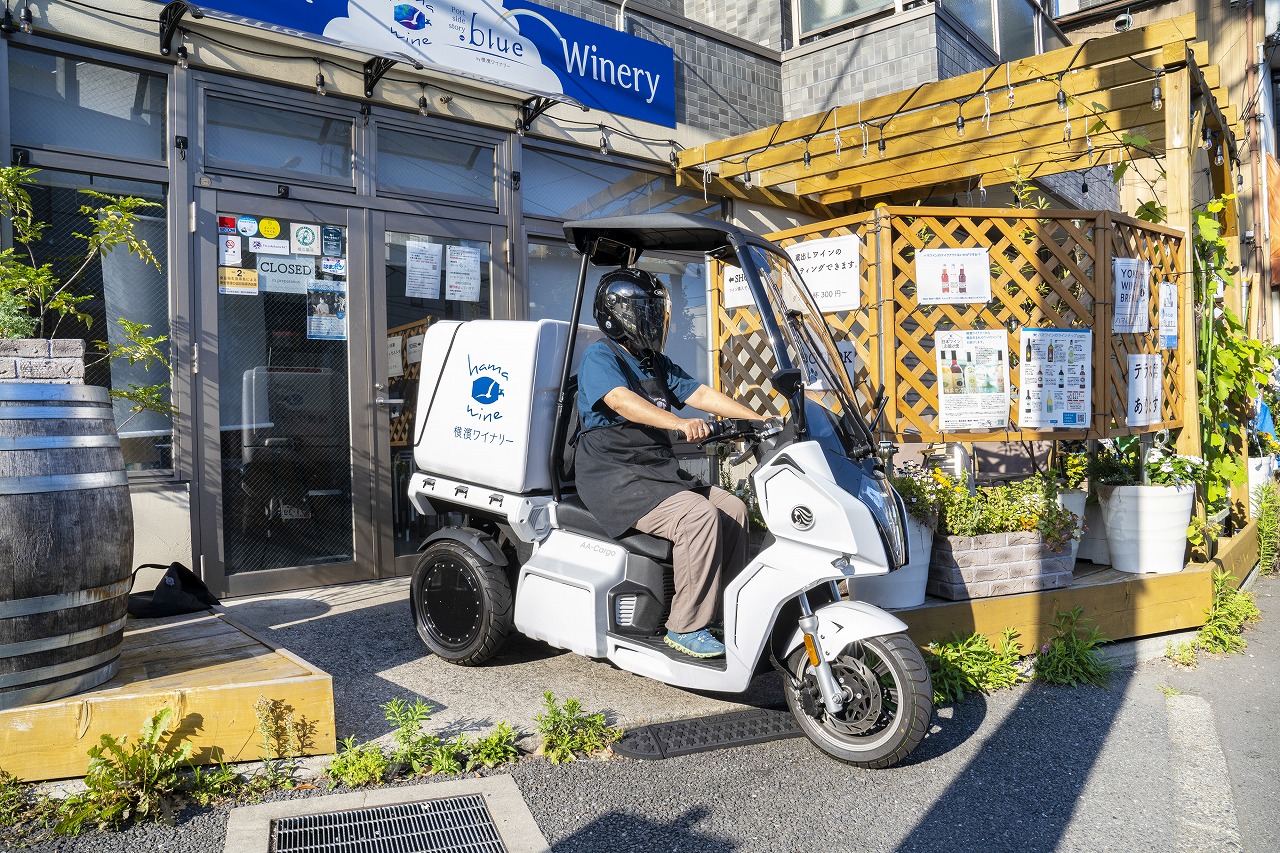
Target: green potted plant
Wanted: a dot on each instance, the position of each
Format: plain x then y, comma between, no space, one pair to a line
1262,463
921,490
1001,539
1146,503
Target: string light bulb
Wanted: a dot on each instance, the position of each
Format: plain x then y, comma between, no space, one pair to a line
808,158
604,141
1217,156
422,108
321,88
746,176
1157,97
880,146
181,55
1206,139
1062,99
24,19
959,125
1084,187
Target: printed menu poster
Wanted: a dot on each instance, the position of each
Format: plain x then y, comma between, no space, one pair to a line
422,270
327,311
973,380
830,267
1146,390
1057,378
462,274
395,356
951,276
1168,315
1131,285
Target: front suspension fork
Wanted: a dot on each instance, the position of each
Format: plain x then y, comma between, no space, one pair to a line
833,695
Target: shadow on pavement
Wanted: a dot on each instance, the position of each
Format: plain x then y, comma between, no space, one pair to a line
621,831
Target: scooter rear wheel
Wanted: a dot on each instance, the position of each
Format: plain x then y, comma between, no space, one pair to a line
462,605
891,706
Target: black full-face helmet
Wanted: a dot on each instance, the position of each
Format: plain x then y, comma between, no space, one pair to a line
633,308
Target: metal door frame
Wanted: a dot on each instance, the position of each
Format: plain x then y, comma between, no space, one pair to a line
207,491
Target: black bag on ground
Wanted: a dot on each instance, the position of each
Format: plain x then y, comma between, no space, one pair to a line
179,591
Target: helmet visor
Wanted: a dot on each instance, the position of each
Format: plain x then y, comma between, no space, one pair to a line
647,320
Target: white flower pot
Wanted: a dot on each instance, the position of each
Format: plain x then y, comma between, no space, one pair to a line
1073,500
1147,526
905,587
1261,470
1093,542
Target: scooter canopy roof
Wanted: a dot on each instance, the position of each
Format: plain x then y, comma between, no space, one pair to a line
622,239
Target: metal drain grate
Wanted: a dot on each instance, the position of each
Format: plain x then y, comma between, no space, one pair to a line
452,825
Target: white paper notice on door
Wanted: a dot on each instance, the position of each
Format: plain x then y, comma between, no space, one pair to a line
1131,288
462,274
422,270
395,356
1146,390
413,351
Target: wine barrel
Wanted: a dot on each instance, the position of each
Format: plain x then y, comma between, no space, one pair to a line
67,547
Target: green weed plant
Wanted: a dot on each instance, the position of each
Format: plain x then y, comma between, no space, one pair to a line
567,732
973,664
494,749
358,765
413,746
285,736
1183,654
1230,612
1072,656
1267,498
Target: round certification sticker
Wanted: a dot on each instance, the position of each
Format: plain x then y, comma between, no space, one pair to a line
269,228
247,225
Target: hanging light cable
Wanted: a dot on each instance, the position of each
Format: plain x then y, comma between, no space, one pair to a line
321,89
422,108
1157,98
960,119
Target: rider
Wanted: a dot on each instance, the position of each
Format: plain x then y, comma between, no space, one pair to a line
627,474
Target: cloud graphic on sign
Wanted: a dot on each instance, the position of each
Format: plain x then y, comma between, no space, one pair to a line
376,25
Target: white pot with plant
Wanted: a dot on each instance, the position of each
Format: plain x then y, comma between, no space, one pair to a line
1147,506
905,587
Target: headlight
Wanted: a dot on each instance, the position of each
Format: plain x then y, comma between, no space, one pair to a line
885,505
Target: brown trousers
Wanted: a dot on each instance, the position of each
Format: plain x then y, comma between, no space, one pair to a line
708,529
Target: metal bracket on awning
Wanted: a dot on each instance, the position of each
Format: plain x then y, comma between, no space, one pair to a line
170,18
531,108
374,70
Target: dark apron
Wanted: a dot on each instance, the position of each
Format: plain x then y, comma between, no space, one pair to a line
625,471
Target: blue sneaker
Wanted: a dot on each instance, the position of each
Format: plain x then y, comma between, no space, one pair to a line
698,644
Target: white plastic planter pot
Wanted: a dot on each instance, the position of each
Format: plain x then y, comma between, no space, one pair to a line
905,587
1073,500
1261,470
1147,526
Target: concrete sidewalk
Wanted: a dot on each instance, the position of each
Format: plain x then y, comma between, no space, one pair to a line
362,634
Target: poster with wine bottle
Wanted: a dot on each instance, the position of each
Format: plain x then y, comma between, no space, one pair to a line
953,276
1056,378
973,379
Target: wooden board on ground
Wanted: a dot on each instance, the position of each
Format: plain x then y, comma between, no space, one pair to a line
204,666
1122,605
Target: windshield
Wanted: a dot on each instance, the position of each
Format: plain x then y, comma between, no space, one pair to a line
809,344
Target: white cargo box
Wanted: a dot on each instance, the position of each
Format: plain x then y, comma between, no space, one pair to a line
487,400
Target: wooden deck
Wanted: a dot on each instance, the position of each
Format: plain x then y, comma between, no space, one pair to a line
207,668
1123,605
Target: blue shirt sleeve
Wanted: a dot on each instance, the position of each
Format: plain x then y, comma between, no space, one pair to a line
598,374
681,383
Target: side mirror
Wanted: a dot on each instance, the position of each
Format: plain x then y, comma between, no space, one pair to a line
787,382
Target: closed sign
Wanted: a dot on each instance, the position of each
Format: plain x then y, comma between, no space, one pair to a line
286,273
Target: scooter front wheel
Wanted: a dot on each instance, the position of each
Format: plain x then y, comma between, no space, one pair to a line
889,704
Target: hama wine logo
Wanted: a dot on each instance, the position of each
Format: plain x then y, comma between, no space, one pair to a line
411,17
486,389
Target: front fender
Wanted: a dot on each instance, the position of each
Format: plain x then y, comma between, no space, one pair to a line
843,622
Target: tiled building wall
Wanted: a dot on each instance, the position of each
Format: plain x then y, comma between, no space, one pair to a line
957,55
763,22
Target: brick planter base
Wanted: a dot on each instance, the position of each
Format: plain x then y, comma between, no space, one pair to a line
995,564
56,362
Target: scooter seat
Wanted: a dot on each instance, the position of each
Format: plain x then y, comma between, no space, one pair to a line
574,516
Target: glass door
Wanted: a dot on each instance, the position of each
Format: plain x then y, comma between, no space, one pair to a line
431,270
282,366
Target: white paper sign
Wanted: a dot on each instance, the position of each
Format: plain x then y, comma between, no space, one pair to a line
1056,378
830,267
263,246
1146,390
327,311
462,274
736,292
229,250
422,270
1131,288
395,356
973,379
952,276
413,351
304,239
289,274
1168,315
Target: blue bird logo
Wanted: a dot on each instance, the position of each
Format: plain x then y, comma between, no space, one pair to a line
486,390
409,16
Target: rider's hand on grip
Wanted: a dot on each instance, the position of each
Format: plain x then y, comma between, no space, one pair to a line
695,429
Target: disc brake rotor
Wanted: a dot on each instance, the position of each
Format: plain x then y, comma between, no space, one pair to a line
865,706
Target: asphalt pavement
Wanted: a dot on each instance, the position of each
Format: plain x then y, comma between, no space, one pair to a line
1161,760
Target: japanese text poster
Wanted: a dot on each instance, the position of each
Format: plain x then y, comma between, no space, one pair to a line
395,356
1168,315
327,311
1131,288
830,268
462,274
948,276
1146,390
973,379
422,270
1057,378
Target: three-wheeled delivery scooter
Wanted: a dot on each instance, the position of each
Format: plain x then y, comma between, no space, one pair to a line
496,406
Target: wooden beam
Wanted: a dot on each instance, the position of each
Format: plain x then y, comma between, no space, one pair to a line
756,195
1090,53
1179,150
